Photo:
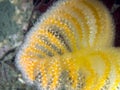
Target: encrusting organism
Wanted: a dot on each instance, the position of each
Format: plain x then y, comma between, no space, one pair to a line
71,47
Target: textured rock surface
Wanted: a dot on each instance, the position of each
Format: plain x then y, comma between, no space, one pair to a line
14,15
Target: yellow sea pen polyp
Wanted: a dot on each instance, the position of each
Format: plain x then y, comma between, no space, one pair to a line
70,47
